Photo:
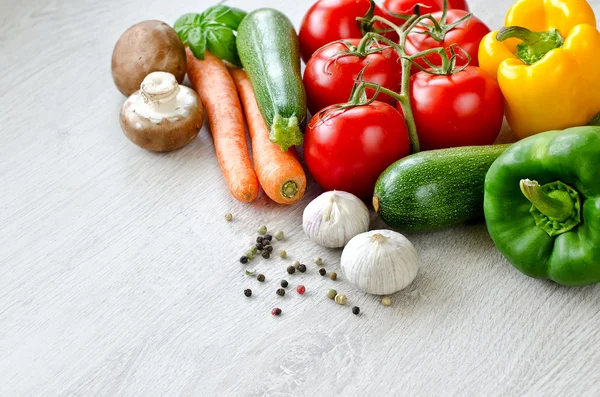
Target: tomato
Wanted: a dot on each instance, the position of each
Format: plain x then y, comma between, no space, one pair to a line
467,35
463,109
331,20
329,80
427,6
349,150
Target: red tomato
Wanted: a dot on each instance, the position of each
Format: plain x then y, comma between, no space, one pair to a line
349,150
463,109
468,35
329,80
427,6
331,20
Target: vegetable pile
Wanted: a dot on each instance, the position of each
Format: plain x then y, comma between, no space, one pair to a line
407,102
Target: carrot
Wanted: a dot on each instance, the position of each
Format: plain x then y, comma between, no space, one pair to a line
219,96
280,173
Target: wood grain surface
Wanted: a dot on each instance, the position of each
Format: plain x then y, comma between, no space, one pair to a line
120,277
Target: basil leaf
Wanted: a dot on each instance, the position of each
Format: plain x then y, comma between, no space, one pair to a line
223,15
220,41
185,23
197,42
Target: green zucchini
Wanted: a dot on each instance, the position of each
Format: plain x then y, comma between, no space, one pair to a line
435,189
269,49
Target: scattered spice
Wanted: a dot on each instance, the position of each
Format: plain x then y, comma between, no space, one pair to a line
266,254
301,289
276,311
268,237
259,246
243,260
284,283
280,292
248,292
266,242
262,230
261,277
282,254
269,249
318,261
260,239
302,268
279,235
250,273
341,299
249,255
291,270
296,264
331,293
355,310
333,276
253,250
386,301
322,271
228,217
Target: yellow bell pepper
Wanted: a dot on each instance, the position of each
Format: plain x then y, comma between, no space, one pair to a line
548,82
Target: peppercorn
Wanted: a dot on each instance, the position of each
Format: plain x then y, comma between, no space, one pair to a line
268,237
266,254
296,264
260,277
331,293
301,289
253,250
280,292
262,230
341,299
282,254
386,301
276,311
355,310
244,260
248,292
250,255
266,243
269,249
260,239
228,217
259,247
279,235
333,276
291,270
318,261
302,268
322,271
284,283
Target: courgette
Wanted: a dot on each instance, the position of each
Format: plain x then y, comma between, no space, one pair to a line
269,49
435,189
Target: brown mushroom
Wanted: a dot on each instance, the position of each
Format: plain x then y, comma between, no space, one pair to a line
162,116
149,46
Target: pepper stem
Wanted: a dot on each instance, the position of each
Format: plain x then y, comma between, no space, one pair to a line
554,208
535,44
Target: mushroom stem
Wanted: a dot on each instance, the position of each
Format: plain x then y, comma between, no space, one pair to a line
159,97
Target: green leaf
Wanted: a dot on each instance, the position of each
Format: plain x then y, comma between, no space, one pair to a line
185,23
220,41
223,15
197,42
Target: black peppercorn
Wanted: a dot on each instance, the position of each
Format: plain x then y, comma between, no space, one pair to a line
266,254
248,292
291,269
244,260
268,237
322,271
266,243
280,292
302,268
355,310
260,277
269,249
284,283
260,239
260,247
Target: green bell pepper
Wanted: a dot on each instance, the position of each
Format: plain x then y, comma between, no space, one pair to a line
542,205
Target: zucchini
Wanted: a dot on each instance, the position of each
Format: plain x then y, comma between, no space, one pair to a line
269,49
435,189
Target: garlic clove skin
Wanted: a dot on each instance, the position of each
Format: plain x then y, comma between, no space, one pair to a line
334,218
380,262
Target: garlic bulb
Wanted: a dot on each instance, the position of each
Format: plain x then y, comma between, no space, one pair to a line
334,218
380,262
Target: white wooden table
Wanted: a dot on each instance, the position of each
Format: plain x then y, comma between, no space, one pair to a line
120,277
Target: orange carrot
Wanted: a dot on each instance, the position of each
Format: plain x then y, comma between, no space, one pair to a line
280,173
219,96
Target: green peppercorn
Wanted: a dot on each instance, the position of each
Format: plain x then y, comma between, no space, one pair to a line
291,270
262,230
355,310
341,299
266,254
333,276
318,261
279,235
331,293
386,301
322,271
296,264
284,283
280,292
250,255
248,292
261,277
228,217
302,268
282,254
268,237
244,260
253,250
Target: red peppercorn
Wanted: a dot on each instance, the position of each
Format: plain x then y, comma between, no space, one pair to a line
301,289
276,311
